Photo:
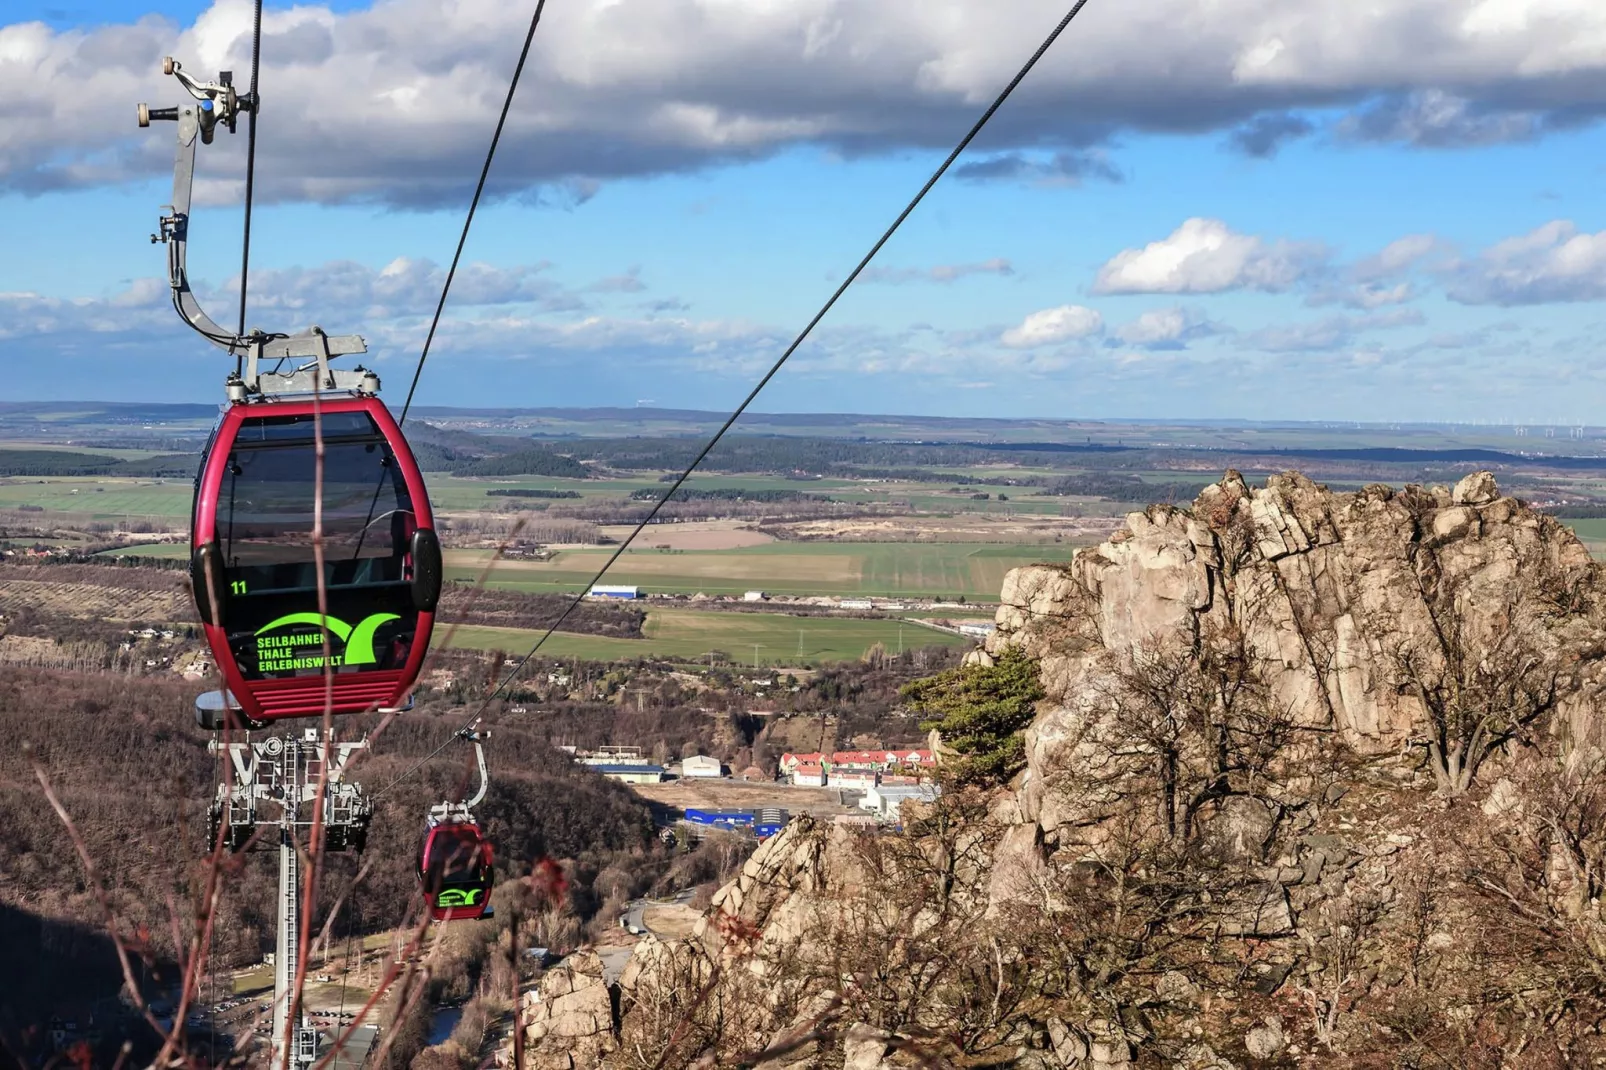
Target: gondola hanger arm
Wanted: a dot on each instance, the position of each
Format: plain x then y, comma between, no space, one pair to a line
217,103
477,737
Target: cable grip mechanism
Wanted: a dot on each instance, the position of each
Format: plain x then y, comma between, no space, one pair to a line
220,103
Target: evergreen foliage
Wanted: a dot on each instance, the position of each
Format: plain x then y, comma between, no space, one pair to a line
728,494
526,492
535,461
24,462
980,711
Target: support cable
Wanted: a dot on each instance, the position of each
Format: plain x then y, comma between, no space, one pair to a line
250,174
462,240
473,206
803,335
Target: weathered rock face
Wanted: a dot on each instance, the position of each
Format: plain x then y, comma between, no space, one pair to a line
1337,591
1251,800
569,1019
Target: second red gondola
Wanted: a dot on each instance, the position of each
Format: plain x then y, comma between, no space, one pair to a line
457,871
254,564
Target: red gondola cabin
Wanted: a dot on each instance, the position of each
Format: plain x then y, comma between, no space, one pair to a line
455,868
255,572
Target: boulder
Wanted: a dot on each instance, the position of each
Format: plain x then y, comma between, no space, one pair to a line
1325,588
1069,1046
569,1020
1266,1040
864,1047
1476,489
1240,828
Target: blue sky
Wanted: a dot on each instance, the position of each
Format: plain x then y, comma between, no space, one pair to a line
1209,209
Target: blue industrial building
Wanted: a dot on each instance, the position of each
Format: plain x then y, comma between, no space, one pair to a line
763,823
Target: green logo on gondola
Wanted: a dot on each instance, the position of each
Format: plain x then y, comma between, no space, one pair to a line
459,897
303,650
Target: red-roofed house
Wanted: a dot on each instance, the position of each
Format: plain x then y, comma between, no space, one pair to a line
790,761
852,768
883,759
810,776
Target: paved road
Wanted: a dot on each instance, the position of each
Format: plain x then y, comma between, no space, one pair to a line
636,910
615,958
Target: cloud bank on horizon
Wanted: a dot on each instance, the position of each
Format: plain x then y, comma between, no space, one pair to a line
379,115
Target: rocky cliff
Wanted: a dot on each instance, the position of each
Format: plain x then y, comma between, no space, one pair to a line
1369,618
1317,779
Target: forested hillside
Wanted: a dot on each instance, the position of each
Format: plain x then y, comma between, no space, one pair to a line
135,776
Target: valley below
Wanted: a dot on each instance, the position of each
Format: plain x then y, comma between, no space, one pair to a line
1254,769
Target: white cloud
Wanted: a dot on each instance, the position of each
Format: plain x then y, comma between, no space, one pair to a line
628,283
344,290
1385,278
1166,328
1377,295
394,102
1437,119
341,295
1396,257
1552,263
1331,332
1206,256
139,308
1054,325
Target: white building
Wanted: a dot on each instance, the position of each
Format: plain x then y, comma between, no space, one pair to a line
701,765
808,776
601,591
854,779
613,756
754,596
886,802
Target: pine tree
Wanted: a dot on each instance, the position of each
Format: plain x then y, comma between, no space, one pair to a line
980,711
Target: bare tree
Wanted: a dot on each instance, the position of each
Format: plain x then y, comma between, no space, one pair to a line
1480,688
1202,720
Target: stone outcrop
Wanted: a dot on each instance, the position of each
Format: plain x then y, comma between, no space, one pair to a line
1332,589
569,1016
1324,640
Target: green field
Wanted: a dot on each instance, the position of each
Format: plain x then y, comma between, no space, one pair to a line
898,570
160,549
887,569
690,635
1593,532
100,498
112,497
456,493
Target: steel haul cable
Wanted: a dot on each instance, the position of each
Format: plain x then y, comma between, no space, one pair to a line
462,240
250,173
473,206
802,336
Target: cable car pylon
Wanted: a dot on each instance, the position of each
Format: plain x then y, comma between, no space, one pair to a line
289,774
